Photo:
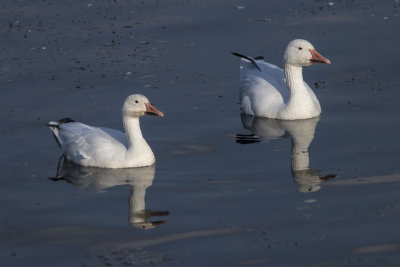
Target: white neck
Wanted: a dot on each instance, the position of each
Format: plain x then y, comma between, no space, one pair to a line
138,152
301,100
132,131
298,93
294,77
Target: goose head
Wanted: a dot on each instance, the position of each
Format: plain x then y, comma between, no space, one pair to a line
302,53
138,105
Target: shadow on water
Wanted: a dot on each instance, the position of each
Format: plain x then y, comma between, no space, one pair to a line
301,133
99,179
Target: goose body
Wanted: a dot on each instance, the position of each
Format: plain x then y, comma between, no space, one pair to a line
104,147
269,91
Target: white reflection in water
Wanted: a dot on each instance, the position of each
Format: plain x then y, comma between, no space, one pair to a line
99,179
301,133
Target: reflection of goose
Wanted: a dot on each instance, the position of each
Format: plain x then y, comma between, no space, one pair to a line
302,134
104,147
271,92
99,179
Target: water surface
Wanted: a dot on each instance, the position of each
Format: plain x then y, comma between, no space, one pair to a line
226,189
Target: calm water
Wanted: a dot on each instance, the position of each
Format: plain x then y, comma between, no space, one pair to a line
226,189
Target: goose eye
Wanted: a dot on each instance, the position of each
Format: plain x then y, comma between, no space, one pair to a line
136,101
300,48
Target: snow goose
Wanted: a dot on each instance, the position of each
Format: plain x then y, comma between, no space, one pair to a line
104,147
268,91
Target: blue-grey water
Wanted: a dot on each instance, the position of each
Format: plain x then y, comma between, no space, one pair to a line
226,189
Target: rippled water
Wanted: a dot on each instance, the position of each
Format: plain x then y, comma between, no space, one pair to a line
227,189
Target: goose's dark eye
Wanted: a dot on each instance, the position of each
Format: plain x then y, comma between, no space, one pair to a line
300,48
136,101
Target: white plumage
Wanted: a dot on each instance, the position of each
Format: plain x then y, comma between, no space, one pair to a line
104,147
269,91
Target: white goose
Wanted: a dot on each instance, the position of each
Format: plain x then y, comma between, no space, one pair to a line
104,147
268,91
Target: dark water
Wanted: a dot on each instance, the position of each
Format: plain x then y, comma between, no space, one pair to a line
226,189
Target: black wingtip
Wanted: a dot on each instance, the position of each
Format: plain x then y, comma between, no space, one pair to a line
238,55
252,60
59,122
242,56
65,120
